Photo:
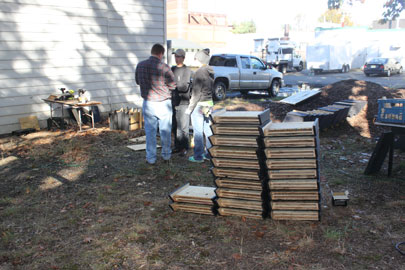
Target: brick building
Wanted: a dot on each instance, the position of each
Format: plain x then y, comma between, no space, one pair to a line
207,29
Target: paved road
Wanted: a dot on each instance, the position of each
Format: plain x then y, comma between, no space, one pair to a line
320,80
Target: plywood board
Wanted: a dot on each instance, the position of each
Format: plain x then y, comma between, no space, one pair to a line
236,163
235,130
293,174
294,215
194,194
192,208
233,152
294,163
240,213
238,184
29,122
300,184
242,141
241,204
300,97
231,193
296,141
279,205
290,152
236,173
139,147
241,117
294,195
288,129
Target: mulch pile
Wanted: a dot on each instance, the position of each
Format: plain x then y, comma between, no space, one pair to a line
347,89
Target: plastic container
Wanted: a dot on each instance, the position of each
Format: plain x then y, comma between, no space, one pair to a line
391,111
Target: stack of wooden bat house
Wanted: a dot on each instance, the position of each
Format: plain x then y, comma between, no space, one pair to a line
194,199
238,175
290,152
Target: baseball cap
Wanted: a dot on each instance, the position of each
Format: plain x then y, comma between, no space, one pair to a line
180,52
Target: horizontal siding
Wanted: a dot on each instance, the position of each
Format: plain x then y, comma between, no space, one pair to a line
90,44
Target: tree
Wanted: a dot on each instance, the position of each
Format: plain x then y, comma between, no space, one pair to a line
393,9
244,27
336,16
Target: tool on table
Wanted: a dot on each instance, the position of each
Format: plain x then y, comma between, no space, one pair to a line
66,95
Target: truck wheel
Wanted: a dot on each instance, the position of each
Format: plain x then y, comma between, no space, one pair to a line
274,88
283,69
219,92
300,67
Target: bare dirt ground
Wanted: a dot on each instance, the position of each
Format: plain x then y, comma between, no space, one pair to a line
73,200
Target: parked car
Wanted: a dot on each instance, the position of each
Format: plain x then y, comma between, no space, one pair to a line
382,66
243,73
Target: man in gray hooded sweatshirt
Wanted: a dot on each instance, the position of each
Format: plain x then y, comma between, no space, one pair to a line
200,107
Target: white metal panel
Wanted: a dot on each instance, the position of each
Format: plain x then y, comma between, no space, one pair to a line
19,64
102,4
72,19
34,10
49,89
90,44
52,45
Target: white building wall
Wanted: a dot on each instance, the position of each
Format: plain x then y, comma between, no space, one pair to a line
90,44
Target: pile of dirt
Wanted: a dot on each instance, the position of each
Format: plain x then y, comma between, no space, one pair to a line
342,90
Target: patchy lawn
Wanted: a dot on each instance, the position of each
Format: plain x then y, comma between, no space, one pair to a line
85,201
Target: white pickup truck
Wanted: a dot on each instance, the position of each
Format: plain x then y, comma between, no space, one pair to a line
243,73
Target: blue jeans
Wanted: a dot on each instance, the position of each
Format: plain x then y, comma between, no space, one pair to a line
182,124
201,128
157,114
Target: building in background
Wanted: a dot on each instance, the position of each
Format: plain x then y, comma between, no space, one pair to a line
206,29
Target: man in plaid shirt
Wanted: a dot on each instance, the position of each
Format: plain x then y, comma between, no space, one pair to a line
156,81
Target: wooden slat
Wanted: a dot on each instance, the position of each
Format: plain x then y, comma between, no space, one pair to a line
288,129
233,152
241,204
294,195
238,184
294,215
194,194
236,173
275,164
235,130
240,213
290,152
254,195
300,141
278,205
292,174
302,184
192,208
243,141
236,163
240,117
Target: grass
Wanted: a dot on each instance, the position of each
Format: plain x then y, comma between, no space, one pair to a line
116,215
